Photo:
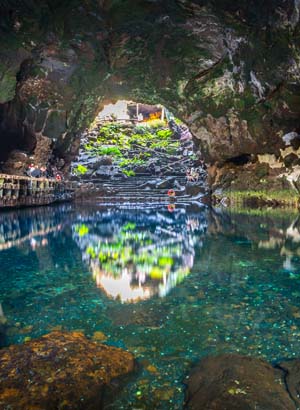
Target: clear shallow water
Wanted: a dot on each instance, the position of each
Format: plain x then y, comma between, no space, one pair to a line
171,287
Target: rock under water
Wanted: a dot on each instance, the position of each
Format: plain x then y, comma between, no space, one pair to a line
59,371
235,382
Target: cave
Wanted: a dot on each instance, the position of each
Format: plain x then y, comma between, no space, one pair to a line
14,135
149,204
240,159
55,82
139,152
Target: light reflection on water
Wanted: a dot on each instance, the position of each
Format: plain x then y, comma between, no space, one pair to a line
170,287
136,256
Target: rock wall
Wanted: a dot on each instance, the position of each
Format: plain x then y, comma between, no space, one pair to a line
231,71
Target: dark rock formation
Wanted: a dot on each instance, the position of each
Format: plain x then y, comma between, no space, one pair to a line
292,379
229,70
234,382
59,370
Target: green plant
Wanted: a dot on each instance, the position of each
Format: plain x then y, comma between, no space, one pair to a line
164,133
178,121
155,123
109,151
89,147
128,173
125,162
80,170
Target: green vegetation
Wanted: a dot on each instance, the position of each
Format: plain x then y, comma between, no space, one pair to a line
131,147
131,161
286,198
109,151
129,173
80,170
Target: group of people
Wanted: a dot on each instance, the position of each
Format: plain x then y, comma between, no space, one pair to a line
34,171
192,175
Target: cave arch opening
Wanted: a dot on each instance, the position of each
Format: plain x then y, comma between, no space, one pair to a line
130,139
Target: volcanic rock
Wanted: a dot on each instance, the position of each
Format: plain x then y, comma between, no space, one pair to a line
235,382
59,371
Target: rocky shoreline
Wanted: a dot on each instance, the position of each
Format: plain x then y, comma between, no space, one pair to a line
285,199
65,370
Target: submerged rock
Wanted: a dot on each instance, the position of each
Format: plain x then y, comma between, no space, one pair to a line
292,378
235,382
59,371
3,331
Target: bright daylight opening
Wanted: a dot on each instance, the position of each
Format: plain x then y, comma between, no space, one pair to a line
130,144
138,153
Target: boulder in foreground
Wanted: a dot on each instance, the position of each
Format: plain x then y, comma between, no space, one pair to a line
234,382
59,371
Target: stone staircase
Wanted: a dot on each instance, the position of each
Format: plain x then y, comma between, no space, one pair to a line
149,190
151,184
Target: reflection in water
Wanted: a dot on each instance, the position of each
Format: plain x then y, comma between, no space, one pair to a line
135,256
285,242
202,283
30,225
281,235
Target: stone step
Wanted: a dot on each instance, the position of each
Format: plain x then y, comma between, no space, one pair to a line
145,177
140,195
137,185
137,190
157,199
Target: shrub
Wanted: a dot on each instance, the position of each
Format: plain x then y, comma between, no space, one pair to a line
128,173
164,133
131,161
80,170
109,151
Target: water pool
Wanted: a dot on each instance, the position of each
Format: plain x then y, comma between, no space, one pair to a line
171,286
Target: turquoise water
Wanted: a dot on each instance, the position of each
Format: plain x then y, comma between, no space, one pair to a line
171,287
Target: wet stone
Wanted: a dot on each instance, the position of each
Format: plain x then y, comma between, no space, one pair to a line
99,336
194,189
166,183
59,371
2,335
235,382
292,378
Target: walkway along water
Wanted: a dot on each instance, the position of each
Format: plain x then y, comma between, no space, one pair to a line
18,191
